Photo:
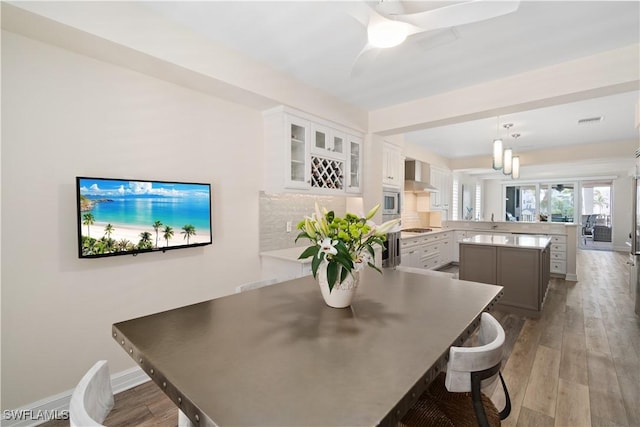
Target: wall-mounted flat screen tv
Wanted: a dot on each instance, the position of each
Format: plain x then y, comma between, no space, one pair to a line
126,216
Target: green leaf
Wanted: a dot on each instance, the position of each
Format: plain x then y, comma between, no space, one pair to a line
343,274
315,262
374,267
310,251
371,251
332,275
346,263
303,234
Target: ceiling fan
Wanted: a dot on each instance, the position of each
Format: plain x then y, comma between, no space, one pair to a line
388,25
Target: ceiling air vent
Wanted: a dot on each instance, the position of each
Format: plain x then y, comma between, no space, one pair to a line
590,120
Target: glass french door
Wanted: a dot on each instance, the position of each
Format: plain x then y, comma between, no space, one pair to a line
595,218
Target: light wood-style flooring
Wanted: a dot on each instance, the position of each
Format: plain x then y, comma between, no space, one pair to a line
578,365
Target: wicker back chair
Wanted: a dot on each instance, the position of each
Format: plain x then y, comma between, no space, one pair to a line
456,399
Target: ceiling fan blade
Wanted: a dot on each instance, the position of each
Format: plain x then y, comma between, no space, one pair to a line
365,58
389,7
460,14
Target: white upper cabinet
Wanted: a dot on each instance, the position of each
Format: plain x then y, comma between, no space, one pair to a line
441,178
392,166
297,168
328,142
306,153
354,164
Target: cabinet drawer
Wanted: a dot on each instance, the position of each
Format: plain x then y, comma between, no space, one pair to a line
430,238
430,262
558,266
408,243
558,247
407,252
431,250
558,256
558,239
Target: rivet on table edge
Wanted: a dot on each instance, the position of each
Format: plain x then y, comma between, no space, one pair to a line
122,342
197,417
179,399
151,371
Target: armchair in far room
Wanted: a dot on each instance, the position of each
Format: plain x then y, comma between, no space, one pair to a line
601,233
587,227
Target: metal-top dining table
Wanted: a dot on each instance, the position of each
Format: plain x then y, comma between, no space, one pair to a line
278,356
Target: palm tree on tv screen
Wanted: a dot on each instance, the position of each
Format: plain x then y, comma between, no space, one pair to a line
188,231
88,219
145,241
108,230
156,227
167,233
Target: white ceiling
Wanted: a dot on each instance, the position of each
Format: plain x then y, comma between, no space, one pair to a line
318,42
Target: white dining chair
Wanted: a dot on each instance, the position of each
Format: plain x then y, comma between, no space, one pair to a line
92,399
456,398
425,272
255,285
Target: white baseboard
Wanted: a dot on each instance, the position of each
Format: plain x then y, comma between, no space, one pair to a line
571,277
40,412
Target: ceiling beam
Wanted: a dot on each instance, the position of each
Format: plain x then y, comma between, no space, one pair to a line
608,73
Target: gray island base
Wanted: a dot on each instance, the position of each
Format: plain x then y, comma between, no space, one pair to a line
519,263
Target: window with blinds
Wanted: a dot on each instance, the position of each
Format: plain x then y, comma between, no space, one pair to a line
455,206
478,201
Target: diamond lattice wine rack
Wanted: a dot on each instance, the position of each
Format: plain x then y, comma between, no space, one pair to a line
327,173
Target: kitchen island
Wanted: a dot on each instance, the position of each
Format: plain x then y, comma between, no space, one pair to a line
518,262
564,239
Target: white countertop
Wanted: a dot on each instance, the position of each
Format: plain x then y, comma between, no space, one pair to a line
514,240
292,254
434,230
289,254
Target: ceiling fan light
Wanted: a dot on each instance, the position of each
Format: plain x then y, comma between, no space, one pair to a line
515,173
387,34
508,159
497,154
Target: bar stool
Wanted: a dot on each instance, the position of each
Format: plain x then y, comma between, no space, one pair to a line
456,399
92,399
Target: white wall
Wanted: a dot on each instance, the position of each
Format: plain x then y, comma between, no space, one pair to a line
65,115
621,215
493,202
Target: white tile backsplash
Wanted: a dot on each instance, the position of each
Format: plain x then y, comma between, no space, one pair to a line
278,209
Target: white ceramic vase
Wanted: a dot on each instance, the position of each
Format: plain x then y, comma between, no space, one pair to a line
342,293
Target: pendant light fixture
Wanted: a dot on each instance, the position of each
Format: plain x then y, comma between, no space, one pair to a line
508,153
504,158
515,172
508,161
497,148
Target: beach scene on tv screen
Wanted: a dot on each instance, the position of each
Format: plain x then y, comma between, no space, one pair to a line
118,216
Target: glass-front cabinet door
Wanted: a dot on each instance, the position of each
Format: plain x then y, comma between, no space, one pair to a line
354,165
298,146
328,142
